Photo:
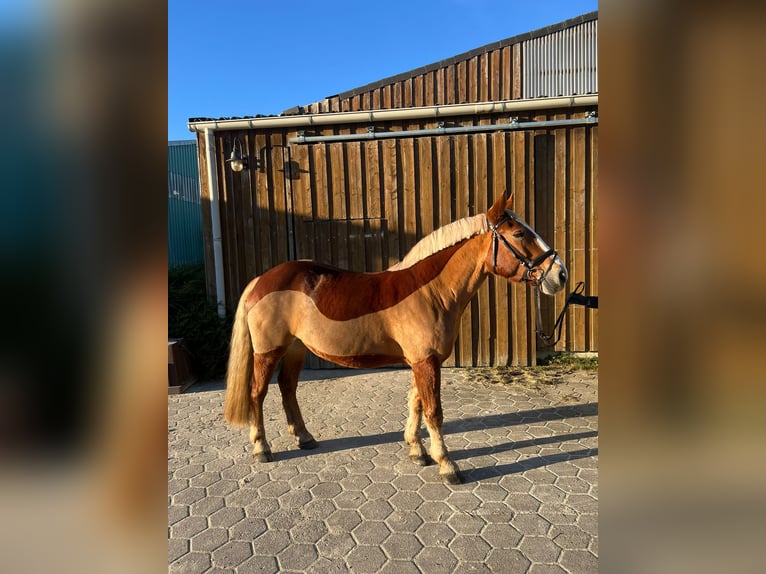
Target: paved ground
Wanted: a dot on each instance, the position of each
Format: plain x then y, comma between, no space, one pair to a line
528,452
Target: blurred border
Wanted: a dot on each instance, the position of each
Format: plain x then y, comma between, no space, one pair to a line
683,278
83,258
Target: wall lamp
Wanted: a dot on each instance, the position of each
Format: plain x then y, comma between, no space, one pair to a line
237,160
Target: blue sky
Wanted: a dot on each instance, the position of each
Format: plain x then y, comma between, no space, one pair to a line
239,57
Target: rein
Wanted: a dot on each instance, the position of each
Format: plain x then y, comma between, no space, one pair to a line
528,264
576,297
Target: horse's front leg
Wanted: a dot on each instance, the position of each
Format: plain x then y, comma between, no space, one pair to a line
427,378
418,453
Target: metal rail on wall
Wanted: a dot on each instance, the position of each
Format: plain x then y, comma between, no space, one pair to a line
371,134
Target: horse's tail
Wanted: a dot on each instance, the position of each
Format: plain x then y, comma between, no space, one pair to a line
239,373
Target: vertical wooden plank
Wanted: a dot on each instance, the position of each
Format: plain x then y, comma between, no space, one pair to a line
338,199
425,185
577,232
450,85
464,199
483,80
592,208
445,169
301,200
391,190
261,206
440,86
519,181
482,331
529,213
516,90
542,199
207,234
429,94
500,184
409,216
472,78
278,213
559,237
461,82
248,238
495,75
321,190
506,66
356,206
418,88
374,197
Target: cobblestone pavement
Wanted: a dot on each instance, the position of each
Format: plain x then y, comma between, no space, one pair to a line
528,453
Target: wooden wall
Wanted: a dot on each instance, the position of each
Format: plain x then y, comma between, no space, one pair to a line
362,205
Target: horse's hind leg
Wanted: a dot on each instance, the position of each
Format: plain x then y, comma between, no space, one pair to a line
292,363
418,453
427,375
263,368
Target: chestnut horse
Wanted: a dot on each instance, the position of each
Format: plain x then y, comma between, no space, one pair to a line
407,314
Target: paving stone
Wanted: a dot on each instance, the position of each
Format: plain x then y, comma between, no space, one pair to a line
436,560
577,561
308,531
177,547
231,554
259,565
401,546
375,510
271,543
358,504
435,534
504,560
191,563
539,549
208,540
470,548
226,517
366,559
371,532
297,557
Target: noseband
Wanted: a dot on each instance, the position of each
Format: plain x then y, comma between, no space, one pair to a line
530,265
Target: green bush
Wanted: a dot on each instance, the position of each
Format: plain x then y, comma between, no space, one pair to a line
192,318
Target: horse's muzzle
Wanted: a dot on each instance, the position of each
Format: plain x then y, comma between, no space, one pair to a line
556,277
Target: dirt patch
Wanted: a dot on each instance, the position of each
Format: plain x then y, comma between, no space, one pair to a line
565,381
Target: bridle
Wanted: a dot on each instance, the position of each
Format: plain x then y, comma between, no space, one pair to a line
530,265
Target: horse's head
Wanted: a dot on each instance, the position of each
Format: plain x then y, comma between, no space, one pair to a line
519,254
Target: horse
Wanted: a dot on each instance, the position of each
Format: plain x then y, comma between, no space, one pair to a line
407,314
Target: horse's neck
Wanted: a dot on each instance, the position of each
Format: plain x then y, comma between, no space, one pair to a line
463,274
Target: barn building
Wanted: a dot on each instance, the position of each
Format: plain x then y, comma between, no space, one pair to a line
356,179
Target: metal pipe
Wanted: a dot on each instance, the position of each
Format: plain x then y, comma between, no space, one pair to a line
215,216
513,126
423,112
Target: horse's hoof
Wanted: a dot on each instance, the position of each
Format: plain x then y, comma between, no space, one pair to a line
420,460
308,445
451,478
263,457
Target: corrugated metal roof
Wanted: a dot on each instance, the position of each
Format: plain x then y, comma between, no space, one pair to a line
541,32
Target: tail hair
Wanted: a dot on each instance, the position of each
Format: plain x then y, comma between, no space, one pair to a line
239,373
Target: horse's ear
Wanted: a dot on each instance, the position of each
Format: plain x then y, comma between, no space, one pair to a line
498,209
509,203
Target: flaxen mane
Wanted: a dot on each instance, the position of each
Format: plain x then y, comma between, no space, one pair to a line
442,238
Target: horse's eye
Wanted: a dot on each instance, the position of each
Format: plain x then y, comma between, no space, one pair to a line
519,235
